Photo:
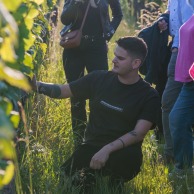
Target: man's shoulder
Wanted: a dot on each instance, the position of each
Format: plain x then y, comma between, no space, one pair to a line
150,90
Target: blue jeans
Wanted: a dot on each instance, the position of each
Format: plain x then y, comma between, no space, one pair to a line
181,120
169,97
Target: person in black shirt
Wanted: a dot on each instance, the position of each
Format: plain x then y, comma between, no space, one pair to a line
92,52
123,108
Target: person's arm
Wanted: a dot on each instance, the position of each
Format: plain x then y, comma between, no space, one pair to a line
162,24
70,11
117,14
81,88
175,43
52,90
179,22
135,136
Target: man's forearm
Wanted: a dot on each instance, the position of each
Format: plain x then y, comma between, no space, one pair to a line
132,137
124,141
100,158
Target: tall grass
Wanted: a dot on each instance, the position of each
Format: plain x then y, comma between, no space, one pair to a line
50,141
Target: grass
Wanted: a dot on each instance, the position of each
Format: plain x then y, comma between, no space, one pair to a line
48,142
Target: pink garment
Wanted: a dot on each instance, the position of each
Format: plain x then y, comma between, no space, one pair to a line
186,51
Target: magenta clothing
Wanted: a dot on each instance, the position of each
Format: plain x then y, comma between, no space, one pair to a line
186,51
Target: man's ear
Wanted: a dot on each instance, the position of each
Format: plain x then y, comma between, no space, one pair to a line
136,63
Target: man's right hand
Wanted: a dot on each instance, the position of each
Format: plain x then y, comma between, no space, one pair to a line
34,83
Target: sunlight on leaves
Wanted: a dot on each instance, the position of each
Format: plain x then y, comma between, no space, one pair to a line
15,118
38,1
11,5
32,13
14,78
7,18
28,60
43,47
6,148
6,172
6,48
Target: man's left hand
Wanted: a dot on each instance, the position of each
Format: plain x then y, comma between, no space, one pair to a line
99,159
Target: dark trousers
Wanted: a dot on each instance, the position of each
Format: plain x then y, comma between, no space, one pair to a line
90,55
160,86
122,165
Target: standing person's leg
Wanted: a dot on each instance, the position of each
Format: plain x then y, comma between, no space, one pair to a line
159,129
169,97
181,120
74,69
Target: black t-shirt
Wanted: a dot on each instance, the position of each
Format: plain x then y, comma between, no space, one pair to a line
115,107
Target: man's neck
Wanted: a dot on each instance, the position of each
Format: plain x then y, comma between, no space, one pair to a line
129,79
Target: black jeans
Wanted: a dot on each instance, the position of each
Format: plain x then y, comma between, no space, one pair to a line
122,165
90,55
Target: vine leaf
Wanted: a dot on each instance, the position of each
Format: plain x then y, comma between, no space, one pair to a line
6,175
11,5
14,77
6,48
6,165
38,2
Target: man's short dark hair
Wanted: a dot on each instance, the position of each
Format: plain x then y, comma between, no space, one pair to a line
134,45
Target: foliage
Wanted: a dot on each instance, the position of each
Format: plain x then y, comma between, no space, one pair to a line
149,15
133,8
21,25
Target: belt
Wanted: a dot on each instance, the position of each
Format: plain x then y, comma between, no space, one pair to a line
91,37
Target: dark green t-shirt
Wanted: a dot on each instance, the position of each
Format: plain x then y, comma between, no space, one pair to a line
115,107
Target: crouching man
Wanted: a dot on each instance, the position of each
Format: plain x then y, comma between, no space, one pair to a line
123,108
